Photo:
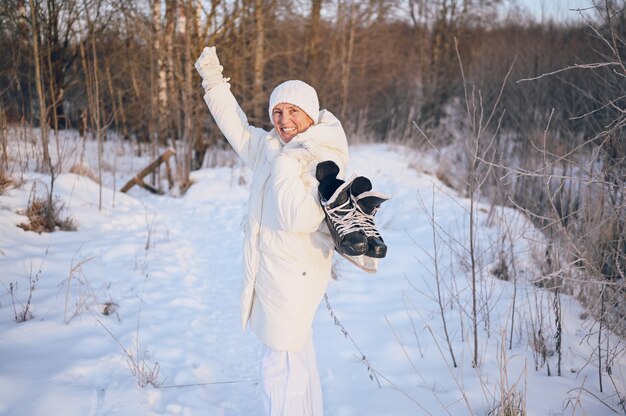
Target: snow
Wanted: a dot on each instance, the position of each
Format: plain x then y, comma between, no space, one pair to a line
166,270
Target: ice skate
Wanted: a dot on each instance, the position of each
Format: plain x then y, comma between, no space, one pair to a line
367,203
363,262
341,216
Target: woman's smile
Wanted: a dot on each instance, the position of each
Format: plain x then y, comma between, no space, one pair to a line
290,120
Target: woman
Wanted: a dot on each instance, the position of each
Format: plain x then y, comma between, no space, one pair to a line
286,256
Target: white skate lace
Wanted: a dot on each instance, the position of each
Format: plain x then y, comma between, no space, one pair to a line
366,221
344,218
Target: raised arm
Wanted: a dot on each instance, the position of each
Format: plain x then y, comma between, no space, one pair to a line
230,118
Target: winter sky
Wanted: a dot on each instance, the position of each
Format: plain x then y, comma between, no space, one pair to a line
558,10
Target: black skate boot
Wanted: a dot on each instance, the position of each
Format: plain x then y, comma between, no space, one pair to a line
367,203
340,215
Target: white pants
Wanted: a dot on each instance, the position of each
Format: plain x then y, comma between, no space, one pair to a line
291,383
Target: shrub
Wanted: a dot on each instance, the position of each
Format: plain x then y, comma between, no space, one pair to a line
44,215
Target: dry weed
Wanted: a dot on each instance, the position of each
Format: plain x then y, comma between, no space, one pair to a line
83,169
5,182
44,215
511,404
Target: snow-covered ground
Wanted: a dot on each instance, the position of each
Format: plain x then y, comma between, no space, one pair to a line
150,285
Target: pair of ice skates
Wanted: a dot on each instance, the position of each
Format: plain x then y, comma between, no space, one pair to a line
349,208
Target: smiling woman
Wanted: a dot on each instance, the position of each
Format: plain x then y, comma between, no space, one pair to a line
293,108
289,120
287,253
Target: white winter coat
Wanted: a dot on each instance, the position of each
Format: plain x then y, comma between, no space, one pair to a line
286,258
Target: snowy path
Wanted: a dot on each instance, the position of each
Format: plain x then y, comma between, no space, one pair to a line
194,319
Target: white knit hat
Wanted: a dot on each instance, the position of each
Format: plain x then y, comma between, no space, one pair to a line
298,93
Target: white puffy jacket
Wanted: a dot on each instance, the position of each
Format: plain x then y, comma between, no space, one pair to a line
286,257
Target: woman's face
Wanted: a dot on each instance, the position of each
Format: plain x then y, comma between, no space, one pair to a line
289,120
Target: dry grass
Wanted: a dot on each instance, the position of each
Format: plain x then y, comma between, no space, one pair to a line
511,404
44,215
5,182
84,170
23,311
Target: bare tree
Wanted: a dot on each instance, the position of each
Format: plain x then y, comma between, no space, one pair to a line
347,48
188,132
312,48
259,59
43,113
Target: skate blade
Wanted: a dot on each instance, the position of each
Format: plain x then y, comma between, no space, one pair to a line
363,262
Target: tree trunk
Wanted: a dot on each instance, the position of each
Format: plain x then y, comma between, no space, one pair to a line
187,92
96,114
152,166
43,113
313,39
172,54
153,123
161,50
259,61
347,47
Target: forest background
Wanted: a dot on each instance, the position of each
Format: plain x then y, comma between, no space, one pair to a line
519,112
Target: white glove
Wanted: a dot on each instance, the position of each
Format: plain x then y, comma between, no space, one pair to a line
209,68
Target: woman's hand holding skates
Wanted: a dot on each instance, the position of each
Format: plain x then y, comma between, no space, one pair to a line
349,208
